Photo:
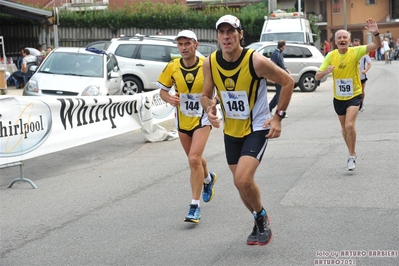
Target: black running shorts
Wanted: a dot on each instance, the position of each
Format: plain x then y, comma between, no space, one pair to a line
191,132
252,145
341,106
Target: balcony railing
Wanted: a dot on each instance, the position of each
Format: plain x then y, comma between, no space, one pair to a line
76,3
88,2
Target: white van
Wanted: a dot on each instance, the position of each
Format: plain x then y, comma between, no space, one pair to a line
291,27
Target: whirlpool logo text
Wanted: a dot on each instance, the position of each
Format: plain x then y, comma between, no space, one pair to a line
26,123
76,112
23,121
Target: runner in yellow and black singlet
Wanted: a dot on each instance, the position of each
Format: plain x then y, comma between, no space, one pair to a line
188,83
239,76
241,93
185,74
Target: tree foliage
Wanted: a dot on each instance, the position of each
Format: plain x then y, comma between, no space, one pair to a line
149,15
164,16
313,26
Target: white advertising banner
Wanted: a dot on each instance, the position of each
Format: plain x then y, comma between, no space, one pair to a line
34,126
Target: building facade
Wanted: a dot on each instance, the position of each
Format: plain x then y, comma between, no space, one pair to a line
352,15
332,15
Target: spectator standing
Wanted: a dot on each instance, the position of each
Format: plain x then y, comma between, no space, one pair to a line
278,59
33,51
391,50
343,63
364,66
378,53
48,50
327,47
387,49
42,53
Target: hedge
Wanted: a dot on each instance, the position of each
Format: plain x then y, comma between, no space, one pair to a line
158,15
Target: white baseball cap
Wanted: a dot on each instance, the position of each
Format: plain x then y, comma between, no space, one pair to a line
230,19
186,34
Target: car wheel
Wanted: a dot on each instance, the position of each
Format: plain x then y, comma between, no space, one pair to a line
131,86
308,83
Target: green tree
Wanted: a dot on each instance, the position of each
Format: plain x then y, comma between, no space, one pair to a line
163,16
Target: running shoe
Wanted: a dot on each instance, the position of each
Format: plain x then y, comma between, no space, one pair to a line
252,238
362,107
351,163
264,234
194,214
208,192
261,233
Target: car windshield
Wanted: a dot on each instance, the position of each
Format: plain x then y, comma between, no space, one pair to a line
101,45
287,36
174,53
254,46
206,49
76,64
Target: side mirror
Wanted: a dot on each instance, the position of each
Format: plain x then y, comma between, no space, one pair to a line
114,75
33,68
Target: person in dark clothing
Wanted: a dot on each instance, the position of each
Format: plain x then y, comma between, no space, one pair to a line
20,57
20,75
277,58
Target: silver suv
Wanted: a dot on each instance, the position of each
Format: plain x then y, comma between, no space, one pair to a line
142,59
302,60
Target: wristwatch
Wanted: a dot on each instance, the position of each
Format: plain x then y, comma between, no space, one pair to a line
281,113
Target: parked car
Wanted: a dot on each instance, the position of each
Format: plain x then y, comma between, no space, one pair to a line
142,59
101,45
204,48
207,48
303,60
73,71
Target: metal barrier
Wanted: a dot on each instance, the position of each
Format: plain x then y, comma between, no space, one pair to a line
21,174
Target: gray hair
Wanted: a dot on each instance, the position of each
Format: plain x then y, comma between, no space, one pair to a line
336,33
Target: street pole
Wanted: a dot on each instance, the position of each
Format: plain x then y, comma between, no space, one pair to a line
345,27
299,7
268,7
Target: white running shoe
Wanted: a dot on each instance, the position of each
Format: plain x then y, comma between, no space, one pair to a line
351,163
362,108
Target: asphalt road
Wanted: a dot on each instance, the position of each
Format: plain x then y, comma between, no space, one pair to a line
122,201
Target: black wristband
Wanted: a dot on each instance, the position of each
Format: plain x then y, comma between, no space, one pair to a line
376,34
281,113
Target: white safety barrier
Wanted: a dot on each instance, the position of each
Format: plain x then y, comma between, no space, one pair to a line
34,126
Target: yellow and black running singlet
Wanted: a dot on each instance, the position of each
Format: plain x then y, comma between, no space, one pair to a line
188,84
242,93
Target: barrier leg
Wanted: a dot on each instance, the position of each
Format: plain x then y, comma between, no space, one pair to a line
21,174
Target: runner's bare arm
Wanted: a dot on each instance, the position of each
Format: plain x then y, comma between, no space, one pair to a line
207,101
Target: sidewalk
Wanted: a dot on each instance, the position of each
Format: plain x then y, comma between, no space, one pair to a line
12,90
